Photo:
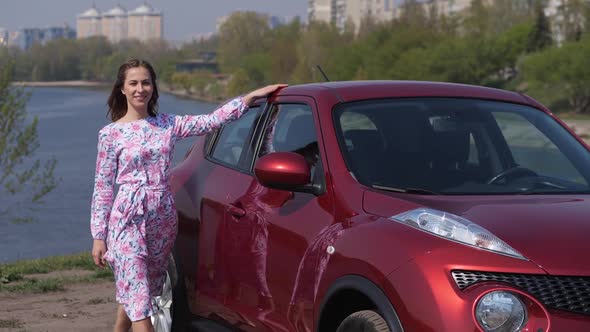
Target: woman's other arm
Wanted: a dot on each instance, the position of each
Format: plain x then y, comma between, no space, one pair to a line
190,125
102,198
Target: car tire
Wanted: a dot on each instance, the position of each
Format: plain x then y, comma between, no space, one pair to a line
179,311
364,321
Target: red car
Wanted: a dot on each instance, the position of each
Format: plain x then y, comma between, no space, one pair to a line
385,206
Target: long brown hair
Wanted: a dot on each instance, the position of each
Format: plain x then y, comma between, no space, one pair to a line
117,101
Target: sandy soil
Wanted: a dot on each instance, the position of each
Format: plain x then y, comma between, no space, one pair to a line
81,307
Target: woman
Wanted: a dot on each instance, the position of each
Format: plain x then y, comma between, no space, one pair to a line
135,233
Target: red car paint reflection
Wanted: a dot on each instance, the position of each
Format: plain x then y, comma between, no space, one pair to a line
425,203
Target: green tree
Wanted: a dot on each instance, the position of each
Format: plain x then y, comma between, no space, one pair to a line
387,48
91,51
239,83
504,14
540,35
243,34
561,70
367,26
56,60
414,14
283,51
19,171
182,80
476,21
571,15
509,48
201,80
257,67
318,46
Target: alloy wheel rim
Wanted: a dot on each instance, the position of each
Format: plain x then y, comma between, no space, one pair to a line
162,318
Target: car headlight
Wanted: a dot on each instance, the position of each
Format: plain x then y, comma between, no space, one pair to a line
455,228
500,311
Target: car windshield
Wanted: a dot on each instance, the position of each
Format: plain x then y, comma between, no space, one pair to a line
459,146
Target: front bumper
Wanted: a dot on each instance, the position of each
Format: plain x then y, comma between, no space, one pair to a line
427,297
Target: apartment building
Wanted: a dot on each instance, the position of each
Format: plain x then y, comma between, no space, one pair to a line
114,24
340,12
3,37
143,23
25,38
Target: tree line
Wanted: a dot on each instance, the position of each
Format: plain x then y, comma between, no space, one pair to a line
510,44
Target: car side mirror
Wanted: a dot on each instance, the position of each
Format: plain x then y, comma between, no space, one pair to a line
285,171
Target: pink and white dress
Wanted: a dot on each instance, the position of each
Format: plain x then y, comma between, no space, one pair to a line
139,227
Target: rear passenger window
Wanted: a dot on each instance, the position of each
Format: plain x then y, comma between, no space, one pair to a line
232,140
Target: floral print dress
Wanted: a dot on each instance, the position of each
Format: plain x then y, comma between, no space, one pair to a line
140,225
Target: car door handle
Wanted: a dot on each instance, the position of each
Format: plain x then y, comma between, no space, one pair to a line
235,211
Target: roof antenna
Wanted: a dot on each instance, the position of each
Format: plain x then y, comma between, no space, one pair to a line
323,74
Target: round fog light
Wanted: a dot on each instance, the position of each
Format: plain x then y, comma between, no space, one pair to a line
500,311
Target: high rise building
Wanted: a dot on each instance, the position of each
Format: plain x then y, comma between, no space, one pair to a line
114,24
3,37
341,12
89,23
25,38
321,10
143,23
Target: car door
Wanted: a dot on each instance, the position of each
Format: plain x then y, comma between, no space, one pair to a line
279,238
215,180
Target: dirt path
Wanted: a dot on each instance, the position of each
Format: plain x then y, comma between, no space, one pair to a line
81,307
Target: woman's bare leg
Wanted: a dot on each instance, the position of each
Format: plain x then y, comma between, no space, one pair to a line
144,325
123,323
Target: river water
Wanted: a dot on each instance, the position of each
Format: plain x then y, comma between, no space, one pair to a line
69,120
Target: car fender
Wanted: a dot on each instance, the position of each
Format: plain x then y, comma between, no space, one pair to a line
371,248
370,289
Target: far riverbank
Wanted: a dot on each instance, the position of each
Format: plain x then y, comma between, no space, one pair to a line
61,84
579,123
163,87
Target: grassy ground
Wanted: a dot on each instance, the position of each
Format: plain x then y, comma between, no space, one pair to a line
43,275
65,293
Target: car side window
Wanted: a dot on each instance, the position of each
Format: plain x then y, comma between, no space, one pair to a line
291,128
231,141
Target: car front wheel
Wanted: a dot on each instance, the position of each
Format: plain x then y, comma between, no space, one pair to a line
364,321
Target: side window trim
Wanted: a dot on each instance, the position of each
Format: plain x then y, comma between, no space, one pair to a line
258,140
211,145
248,159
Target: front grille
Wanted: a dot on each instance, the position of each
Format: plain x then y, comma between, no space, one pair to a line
557,292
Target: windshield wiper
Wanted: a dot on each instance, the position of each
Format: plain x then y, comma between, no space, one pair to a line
406,190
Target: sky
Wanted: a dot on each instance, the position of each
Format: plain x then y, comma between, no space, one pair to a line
183,19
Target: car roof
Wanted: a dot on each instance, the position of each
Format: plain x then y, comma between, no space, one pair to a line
347,91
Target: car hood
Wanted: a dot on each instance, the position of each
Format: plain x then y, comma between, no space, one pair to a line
551,231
